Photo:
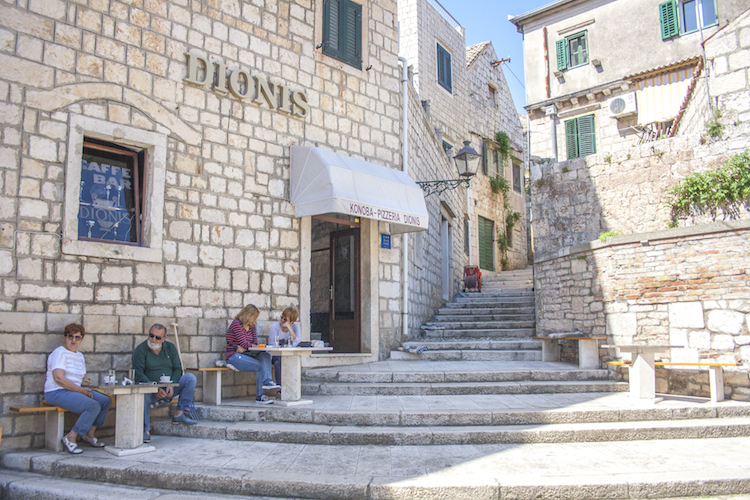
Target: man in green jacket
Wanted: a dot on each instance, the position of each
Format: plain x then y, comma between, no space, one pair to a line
153,359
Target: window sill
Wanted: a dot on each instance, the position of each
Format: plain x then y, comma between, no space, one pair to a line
110,250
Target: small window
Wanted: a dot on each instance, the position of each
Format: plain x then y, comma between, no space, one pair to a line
572,51
342,31
517,180
492,95
691,13
580,136
444,73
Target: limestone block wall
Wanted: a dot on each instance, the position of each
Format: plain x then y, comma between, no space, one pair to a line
685,287
229,233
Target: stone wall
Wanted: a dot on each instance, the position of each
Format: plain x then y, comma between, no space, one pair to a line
228,234
682,287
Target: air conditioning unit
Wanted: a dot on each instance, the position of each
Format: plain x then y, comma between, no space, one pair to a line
622,105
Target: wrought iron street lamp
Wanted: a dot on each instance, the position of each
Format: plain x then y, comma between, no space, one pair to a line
467,163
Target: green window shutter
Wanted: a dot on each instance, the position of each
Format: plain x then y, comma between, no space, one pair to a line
562,54
444,68
486,254
571,138
499,164
351,18
669,19
331,28
586,135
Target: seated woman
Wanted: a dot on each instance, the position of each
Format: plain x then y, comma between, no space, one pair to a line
285,331
66,369
241,335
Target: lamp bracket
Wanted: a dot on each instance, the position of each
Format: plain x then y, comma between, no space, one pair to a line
437,187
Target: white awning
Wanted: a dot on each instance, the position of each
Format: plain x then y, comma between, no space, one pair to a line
660,96
325,182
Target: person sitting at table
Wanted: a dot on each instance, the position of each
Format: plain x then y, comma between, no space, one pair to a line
241,335
66,369
154,358
285,331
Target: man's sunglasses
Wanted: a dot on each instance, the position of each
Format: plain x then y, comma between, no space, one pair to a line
74,338
152,336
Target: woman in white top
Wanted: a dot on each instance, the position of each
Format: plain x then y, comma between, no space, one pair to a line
285,330
66,369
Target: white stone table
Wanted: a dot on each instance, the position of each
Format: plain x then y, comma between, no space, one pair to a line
642,377
291,371
129,403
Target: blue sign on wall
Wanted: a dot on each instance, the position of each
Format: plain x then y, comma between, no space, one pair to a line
385,241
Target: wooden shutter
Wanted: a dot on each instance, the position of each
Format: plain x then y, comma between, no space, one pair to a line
562,54
668,17
571,138
444,68
485,157
351,18
331,27
586,135
486,254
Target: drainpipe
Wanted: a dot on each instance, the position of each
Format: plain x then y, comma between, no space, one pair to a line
405,168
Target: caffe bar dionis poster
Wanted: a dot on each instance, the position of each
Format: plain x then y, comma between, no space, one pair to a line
107,203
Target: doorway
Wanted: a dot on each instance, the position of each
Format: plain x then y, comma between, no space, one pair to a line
335,283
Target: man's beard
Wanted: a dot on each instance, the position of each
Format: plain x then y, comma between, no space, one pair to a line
154,346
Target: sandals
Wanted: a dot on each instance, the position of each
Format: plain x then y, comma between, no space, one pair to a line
71,447
93,442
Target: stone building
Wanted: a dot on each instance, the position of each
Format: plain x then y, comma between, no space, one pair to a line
589,91
162,162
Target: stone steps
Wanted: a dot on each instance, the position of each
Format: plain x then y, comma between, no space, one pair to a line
461,434
463,344
459,388
482,325
474,315
471,355
479,333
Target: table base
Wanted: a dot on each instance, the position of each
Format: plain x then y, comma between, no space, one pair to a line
124,452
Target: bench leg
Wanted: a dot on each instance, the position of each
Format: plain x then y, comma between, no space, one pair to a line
550,350
716,380
212,388
54,429
588,354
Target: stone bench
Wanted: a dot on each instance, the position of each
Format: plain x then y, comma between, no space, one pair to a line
588,350
54,423
715,375
211,383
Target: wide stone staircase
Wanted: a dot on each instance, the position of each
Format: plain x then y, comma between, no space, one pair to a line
477,415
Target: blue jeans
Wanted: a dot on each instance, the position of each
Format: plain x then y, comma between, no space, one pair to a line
276,362
185,389
260,364
91,411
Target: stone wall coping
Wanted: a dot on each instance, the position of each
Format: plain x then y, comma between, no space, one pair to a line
645,238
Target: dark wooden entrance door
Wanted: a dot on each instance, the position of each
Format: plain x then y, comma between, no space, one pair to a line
345,291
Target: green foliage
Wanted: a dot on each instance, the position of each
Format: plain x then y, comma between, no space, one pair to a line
606,235
503,242
565,169
504,263
582,257
608,159
726,189
499,185
714,128
511,219
540,183
503,144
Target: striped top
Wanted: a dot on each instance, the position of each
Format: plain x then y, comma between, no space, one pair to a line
238,336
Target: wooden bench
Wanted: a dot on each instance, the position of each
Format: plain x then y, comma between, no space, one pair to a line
54,423
715,374
588,350
211,383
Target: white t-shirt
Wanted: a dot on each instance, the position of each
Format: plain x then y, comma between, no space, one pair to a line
276,331
72,362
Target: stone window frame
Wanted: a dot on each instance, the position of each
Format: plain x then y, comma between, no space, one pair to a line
444,67
155,144
320,10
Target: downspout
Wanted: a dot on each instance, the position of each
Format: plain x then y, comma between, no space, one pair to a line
553,118
405,168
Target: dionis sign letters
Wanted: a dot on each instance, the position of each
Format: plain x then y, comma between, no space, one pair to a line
245,86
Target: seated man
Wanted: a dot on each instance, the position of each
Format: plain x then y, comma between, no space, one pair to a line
154,358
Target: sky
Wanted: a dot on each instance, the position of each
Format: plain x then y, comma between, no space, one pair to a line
488,20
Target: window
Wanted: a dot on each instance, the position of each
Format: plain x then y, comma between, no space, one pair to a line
493,94
580,136
492,161
683,17
110,199
444,76
572,51
517,177
448,148
114,191
342,31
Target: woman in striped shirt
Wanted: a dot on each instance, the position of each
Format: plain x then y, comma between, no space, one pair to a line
241,335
